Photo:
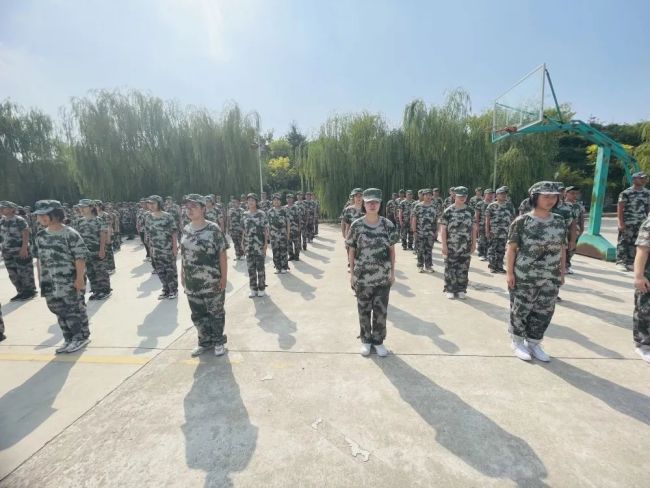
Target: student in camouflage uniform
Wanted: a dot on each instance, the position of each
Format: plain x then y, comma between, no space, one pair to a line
127,220
352,212
177,212
162,235
2,327
243,202
371,253
391,209
116,237
632,210
498,217
578,216
279,231
478,197
480,222
265,204
310,211
304,210
212,212
450,199
424,221
204,274
405,209
535,262
15,235
109,261
641,317
235,223
293,213
140,219
316,215
94,232
458,237
256,238
565,210
524,206
61,255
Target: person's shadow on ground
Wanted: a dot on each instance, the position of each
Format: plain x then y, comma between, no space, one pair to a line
219,437
160,322
273,321
464,431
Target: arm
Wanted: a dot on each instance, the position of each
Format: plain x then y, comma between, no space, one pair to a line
103,238
80,269
344,229
351,251
24,252
175,243
619,215
511,256
223,264
573,235
443,238
640,261
487,224
474,237
391,254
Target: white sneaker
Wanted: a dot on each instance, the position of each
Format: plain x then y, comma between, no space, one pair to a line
219,350
537,352
252,294
261,293
570,271
62,348
283,271
450,296
461,295
381,350
482,258
365,349
277,271
644,352
76,345
521,351
420,269
621,267
198,350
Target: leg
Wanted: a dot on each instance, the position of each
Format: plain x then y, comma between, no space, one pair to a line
542,311
521,305
215,306
200,319
427,244
284,260
641,319
26,272
420,255
364,308
252,271
261,272
379,313
450,275
91,272
461,272
12,269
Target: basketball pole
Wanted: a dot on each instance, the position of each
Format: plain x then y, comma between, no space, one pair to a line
494,175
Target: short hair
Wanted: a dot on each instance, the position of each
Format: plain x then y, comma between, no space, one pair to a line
532,200
56,214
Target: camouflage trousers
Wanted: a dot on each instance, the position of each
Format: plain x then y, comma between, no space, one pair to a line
294,244
237,242
316,226
280,252
145,244
256,272
116,242
531,309
97,272
456,272
209,318
626,245
71,315
395,222
303,235
2,323
407,236
110,257
309,231
165,265
21,273
372,305
496,252
425,250
641,319
482,244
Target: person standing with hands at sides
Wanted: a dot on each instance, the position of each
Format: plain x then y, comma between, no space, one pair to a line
204,274
61,262
279,230
478,197
212,212
351,213
256,238
161,230
498,217
535,270
632,209
390,209
15,234
405,209
480,221
371,252
235,223
95,233
293,214
424,222
458,238
641,317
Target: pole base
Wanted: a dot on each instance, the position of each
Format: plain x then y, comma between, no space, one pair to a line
596,246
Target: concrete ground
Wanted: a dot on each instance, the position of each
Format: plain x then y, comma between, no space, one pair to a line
294,404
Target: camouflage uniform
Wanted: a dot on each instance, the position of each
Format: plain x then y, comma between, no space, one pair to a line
540,244
460,226
57,253
109,261
482,244
372,268
278,221
447,203
474,201
391,211
127,221
256,227
304,211
265,205
309,209
91,230
21,270
140,219
316,216
635,211
426,220
159,231
641,317
294,214
180,217
577,215
405,208
200,252
212,214
524,206
2,327
500,215
235,222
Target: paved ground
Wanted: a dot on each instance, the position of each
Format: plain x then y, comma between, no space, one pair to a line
293,404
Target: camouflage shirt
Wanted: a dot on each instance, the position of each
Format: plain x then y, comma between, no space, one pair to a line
439,204
474,201
426,219
405,208
159,230
293,214
500,215
479,212
278,219
644,240
57,253
564,210
448,201
372,243
200,251
539,248
524,206
235,219
91,230
459,223
256,225
11,231
635,209
350,214
212,214
265,205
391,209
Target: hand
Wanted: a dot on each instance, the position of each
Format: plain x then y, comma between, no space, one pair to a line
23,253
264,250
562,279
391,280
621,227
472,249
223,283
174,251
352,279
510,279
444,250
642,284
80,284
102,254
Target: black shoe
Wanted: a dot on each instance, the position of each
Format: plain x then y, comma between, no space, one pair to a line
163,296
501,271
103,296
2,337
27,296
304,247
296,258
93,296
493,271
16,298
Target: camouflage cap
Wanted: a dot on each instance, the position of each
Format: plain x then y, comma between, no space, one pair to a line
402,190
308,193
572,188
639,174
299,193
154,198
502,189
478,188
409,191
544,188
97,202
253,196
558,184
291,195
436,189
7,204
208,198
277,195
461,191
355,191
168,197
427,191
420,192
84,202
43,207
488,191
372,195
451,189
243,195
194,198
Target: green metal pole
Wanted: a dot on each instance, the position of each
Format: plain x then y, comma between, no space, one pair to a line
600,188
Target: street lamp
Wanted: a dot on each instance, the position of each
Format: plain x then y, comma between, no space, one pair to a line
255,118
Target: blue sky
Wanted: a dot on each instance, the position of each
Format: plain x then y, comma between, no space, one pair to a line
306,60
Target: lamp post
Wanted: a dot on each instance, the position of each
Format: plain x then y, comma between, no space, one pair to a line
255,117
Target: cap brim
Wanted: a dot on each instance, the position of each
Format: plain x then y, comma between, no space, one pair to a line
43,211
372,199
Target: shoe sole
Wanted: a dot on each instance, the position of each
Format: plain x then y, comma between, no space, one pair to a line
641,355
